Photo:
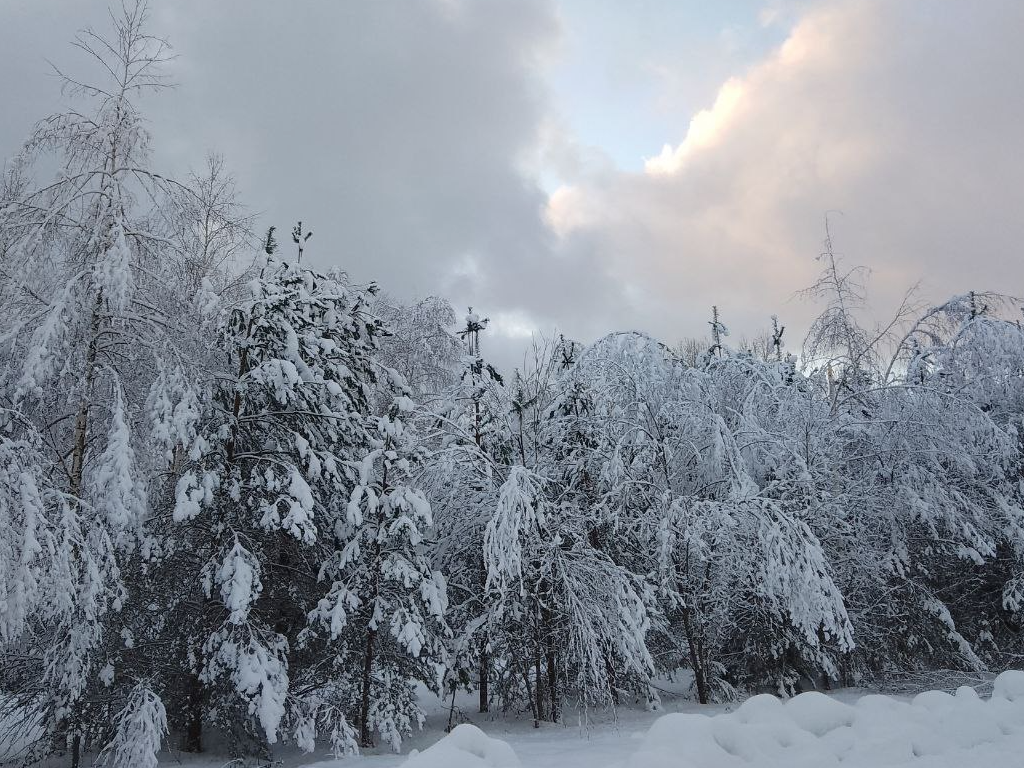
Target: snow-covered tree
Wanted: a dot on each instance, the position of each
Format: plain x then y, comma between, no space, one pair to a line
139,730
259,487
920,478
213,234
461,482
87,274
421,345
384,611
220,506
941,455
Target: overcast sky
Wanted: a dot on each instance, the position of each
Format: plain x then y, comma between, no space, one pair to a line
594,165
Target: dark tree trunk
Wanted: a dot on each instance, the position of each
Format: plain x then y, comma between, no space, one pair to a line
553,694
538,679
451,711
700,677
552,664
485,657
485,676
194,715
530,690
365,740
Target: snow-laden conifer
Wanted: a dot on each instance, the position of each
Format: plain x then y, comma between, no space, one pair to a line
139,730
259,487
385,607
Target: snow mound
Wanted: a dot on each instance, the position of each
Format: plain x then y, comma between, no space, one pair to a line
1009,686
465,747
815,731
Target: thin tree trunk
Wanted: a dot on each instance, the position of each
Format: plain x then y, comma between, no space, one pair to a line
485,675
552,666
371,634
529,691
610,671
364,710
485,660
236,403
696,663
194,713
76,750
537,673
553,694
451,711
82,417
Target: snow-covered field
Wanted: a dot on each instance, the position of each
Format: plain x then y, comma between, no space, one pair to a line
813,730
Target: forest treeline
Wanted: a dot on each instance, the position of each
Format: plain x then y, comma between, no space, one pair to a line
245,498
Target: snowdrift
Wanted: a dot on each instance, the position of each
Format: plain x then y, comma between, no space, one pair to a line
465,747
811,730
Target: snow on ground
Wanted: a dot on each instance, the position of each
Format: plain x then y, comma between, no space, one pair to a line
812,730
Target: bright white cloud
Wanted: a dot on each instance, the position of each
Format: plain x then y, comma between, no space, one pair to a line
904,116
705,129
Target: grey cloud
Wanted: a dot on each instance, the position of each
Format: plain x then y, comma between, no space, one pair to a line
400,133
